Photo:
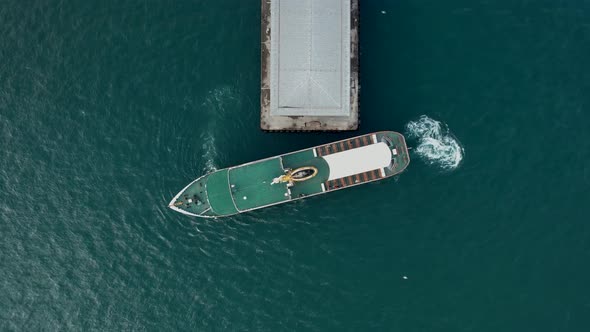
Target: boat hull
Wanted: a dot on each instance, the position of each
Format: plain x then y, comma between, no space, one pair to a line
250,186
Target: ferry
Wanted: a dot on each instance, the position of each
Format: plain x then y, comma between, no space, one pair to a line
296,175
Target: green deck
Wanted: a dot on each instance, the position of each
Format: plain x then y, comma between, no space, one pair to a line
197,193
220,198
306,158
395,140
252,184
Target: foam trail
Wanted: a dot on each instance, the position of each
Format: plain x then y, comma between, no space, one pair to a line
219,106
215,107
209,152
436,145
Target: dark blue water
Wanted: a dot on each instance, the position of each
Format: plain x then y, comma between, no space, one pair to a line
108,108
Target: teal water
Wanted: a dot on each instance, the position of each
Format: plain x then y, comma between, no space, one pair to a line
108,108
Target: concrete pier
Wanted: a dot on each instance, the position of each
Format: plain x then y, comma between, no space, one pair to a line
309,65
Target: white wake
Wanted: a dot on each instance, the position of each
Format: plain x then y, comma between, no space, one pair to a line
209,152
218,108
436,145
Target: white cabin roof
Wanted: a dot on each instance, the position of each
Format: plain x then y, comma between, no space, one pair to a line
358,160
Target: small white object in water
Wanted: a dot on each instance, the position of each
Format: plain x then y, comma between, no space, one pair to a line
383,12
245,197
405,277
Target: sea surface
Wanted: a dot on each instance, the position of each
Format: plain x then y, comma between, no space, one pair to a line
109,108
